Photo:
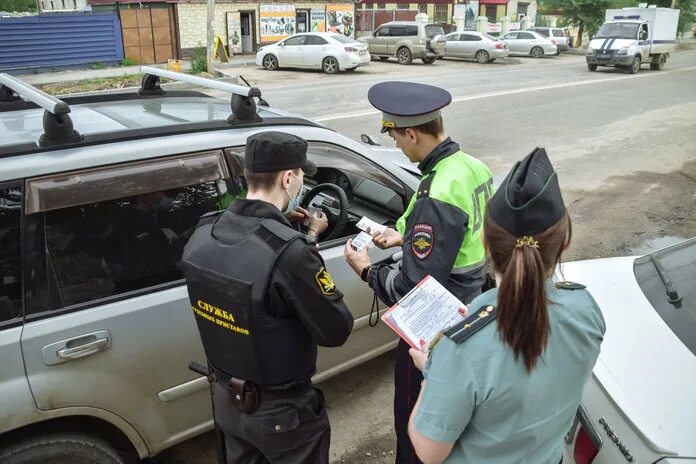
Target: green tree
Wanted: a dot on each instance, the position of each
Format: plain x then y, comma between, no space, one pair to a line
18,5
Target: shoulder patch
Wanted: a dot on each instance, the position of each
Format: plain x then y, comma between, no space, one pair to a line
566,285
325,282
422,240
472,324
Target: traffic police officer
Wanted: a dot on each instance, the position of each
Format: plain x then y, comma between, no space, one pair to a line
440,231
263,300
503,385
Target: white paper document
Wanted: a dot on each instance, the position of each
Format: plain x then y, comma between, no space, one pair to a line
362,240
367,223
424,312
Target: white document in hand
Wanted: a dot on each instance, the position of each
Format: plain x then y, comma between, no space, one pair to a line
366,223
424,312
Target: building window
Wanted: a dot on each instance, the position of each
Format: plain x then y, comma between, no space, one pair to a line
402,6
492,13
369,6
440,13
423,8
381,6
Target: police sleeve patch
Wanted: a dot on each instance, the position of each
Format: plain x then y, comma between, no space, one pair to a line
325,282
422,239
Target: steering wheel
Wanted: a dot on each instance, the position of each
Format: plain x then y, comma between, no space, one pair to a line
336,208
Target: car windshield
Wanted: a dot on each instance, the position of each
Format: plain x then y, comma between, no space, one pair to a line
617,31
675,282
342,38
432,30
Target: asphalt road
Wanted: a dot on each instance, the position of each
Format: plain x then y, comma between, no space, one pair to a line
623,146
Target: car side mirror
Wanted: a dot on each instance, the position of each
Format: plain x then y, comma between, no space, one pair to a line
366,139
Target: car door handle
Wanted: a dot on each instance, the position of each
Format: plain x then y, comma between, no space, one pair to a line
83,346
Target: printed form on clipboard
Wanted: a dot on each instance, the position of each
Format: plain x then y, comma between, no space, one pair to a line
424,313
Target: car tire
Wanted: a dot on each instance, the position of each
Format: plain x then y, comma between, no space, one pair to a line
61,448
330,65
635,66
482,57
660,65
537,52
383,58
404,55
428,60
270,63
592,67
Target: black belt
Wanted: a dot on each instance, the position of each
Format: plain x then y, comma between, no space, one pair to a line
271,391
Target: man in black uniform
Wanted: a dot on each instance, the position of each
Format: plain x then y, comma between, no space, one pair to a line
263,300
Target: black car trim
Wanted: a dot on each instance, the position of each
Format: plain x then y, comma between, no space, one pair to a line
16,105
151,132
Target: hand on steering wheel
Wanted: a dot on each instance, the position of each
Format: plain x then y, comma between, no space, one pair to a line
337,218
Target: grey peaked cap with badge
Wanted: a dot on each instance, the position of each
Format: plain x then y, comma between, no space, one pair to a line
529,200
407,104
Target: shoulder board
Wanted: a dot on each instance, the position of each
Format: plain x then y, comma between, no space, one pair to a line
424,186
281,231
209,218
566,285
472,324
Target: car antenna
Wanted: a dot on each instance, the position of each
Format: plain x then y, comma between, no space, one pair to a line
673,296
57,124
262,102
242,102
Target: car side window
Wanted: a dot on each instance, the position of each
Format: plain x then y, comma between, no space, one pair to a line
471,38
525,36
558,33
122,231
411,31
297,40
10,255
396,31
544,32
382,32
315,40
511,36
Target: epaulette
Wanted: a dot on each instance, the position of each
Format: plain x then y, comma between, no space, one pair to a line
472,324
566,285
209,218
424,186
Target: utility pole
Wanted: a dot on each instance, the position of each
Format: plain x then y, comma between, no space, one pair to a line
674,3
211,37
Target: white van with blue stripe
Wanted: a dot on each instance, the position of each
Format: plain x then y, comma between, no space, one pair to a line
634,36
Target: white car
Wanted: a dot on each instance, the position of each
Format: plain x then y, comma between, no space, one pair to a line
475,45
323,50
639,405
529,43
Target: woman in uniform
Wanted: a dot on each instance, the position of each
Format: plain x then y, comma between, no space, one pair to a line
503,386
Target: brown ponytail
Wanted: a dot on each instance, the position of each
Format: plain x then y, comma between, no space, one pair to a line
523,319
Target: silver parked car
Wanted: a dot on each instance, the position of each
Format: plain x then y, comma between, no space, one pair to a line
407,40
556,35
529,43
475,45
98,196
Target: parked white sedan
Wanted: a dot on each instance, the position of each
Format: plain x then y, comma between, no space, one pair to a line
319,50
475,45
529,43
639,405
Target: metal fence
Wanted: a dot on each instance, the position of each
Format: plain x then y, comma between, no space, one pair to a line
369,20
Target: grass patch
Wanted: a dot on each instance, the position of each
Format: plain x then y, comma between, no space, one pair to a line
128,62
199,61
94,85
98,66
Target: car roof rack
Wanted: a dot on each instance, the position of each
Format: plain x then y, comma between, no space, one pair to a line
242,103
57,124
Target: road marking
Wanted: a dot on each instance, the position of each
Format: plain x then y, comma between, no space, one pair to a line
522,90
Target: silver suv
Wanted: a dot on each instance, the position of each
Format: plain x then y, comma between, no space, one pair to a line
98,195
407,40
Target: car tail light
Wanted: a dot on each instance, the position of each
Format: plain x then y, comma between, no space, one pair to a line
351,50
499,45
587,439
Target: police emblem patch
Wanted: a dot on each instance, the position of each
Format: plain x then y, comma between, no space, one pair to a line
326,283
422,239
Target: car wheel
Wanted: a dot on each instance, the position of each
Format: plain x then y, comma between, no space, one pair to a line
61,448
383,58
404,56
482,56
660,63
635,66
537,52
428,60
330,65
592,67
270,62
